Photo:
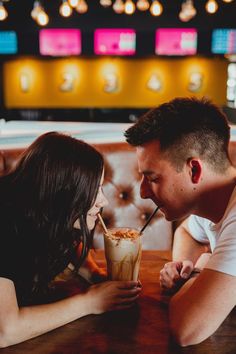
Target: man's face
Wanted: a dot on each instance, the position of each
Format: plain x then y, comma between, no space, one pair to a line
173,191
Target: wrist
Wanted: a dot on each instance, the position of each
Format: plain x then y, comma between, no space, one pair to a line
86,303
195,272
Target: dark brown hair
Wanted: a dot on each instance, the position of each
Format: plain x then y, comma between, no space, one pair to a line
184,127
55,183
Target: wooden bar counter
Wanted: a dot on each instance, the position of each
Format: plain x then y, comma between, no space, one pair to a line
142,329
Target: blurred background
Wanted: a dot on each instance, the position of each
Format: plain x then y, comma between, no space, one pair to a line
111,60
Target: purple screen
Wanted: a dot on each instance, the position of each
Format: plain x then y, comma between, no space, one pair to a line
176,41
60,42
114,41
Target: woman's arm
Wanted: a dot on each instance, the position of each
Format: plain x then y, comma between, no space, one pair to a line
19,324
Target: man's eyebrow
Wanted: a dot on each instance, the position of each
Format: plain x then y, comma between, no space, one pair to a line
147,172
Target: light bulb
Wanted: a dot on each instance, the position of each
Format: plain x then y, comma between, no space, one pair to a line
82,7
73,3
227,0
211,6
36,9
65,9
42,18
129,7
3,12
143,5
188,11
105,3
156,8
119,6
154,83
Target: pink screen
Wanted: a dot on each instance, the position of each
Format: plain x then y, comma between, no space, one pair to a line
176,41
60,42
114,41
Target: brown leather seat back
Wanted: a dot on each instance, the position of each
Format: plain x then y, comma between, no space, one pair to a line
121,187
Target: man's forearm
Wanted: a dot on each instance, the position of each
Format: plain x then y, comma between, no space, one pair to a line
185,247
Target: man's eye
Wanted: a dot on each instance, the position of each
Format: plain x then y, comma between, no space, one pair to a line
154,180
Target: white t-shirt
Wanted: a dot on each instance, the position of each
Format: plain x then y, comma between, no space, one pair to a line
220,236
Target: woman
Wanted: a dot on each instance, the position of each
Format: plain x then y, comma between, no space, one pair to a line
48,210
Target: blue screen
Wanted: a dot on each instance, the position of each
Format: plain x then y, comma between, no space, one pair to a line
223,41
8,42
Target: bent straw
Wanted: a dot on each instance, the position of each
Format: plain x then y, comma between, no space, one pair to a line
148,220
102,223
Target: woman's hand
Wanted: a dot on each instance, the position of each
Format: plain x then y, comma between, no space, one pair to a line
174,274
113,295
99,275
90,271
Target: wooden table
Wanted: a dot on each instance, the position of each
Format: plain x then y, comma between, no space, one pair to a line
142,329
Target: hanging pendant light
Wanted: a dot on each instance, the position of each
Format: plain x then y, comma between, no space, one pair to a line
129,7
119,6
3,12
36,9
156,8
65,9
82,7
188,11
42,18
105,3
211,6
143,5
73,3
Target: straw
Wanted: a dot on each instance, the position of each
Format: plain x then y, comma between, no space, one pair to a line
148,220
102,223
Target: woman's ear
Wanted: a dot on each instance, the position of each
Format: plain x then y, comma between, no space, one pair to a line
195,170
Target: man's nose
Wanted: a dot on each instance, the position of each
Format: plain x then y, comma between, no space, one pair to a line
145,190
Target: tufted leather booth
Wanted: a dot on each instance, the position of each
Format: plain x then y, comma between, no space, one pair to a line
121,187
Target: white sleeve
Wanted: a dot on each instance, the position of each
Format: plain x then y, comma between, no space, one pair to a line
223,258
196,228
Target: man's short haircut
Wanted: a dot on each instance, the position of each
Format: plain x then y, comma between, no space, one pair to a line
185,127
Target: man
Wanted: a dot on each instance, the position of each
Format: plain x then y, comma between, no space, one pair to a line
182,151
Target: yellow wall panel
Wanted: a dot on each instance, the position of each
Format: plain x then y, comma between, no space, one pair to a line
111,82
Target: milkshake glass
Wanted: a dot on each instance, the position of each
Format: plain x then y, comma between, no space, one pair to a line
123,253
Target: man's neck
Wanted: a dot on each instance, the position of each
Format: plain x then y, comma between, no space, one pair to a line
215,199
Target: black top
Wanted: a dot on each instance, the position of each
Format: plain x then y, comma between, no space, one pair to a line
22,261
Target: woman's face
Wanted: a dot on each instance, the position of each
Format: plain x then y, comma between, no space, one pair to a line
99,203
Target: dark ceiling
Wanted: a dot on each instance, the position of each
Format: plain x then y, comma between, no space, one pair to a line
97,16
20,20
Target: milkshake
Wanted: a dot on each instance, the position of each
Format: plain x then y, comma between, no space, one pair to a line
123,253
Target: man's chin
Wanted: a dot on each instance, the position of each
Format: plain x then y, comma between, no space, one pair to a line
165,213
168,215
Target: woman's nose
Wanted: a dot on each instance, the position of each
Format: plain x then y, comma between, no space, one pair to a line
105,201
102,202
145,190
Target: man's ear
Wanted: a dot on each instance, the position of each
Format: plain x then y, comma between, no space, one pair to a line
195,170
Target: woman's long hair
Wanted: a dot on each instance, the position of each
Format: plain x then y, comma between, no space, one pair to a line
54,184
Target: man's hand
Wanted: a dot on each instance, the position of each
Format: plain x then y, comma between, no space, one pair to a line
174,274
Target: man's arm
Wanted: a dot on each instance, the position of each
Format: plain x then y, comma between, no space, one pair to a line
201,305
185,247
204,301
186,254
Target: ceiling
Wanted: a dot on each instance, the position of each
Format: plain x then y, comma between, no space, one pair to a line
97,16
19,19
